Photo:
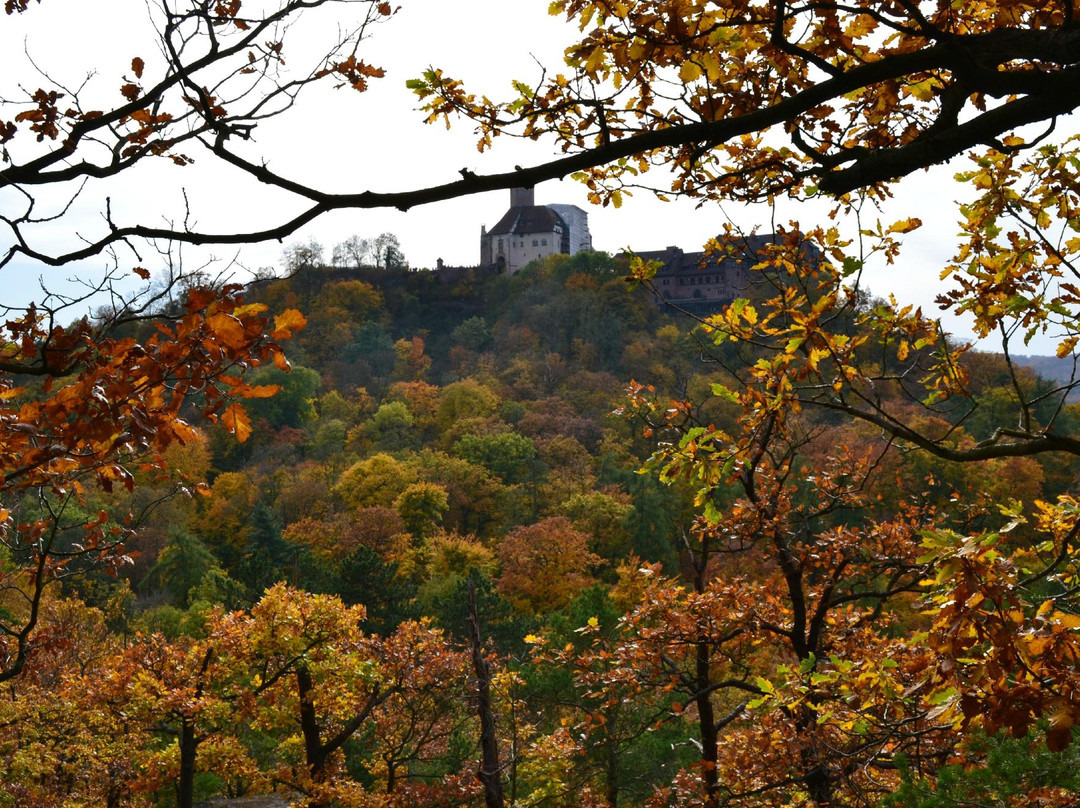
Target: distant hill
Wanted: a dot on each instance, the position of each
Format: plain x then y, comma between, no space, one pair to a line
1062,371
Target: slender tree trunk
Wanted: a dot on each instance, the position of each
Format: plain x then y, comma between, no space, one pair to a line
818,782
490,772
391,775
185,785
612,760
703,686
816,774
314,751
189,744
706,723
309,725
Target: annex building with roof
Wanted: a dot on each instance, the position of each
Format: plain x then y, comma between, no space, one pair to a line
704,282
528,231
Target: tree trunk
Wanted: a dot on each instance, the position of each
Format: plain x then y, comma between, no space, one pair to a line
706,723
309,725
189,744
490,772
611,762
391,773
185,785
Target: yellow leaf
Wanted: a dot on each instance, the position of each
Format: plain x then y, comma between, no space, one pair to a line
905,225
712,64
1069,621
250,308
689,71
595,60
924,90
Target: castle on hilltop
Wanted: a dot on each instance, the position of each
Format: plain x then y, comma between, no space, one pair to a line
528,231
701,282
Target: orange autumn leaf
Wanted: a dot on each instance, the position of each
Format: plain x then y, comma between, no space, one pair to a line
236,420
260,390
226,328
288,321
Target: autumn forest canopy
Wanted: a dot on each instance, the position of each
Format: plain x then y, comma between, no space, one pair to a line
360,535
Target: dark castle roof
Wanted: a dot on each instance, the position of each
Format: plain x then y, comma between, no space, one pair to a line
676,262
521,221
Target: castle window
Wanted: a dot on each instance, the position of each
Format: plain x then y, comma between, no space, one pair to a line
543,241
535,244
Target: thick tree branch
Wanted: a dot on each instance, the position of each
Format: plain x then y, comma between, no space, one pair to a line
973,60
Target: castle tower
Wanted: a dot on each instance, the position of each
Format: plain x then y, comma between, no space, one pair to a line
522,198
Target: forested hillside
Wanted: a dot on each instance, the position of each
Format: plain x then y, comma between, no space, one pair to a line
368,537
478,500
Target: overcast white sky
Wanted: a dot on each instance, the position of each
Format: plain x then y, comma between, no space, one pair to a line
376,141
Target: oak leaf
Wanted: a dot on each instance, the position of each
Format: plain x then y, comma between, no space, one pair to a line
236,420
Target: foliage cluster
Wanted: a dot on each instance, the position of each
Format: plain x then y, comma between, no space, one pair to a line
640,648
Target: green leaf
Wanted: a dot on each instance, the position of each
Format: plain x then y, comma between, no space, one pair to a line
723,392
941,696
691,435
710,512
728,466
